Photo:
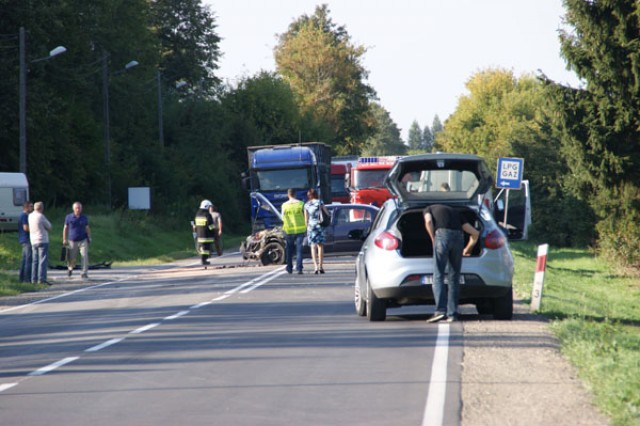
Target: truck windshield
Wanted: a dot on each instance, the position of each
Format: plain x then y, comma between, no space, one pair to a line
279,180
369,178
337,185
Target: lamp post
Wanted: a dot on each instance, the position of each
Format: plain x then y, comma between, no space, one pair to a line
23,95
105,113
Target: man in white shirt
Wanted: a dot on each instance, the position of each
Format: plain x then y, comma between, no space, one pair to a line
39,227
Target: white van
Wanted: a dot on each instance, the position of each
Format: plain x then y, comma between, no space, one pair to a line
14,192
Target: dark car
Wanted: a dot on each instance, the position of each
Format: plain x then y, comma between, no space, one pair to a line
348,222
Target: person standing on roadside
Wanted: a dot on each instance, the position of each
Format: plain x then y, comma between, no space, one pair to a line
25,242
315,232
294,228
76,236
204,229
446,227
217,228
39,227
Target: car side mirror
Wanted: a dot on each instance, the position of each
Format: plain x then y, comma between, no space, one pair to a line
500,205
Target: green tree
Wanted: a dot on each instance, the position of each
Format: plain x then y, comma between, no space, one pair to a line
317,58
427,139
503,116
386,139
415,137
599,123
189,44
436,126
65,155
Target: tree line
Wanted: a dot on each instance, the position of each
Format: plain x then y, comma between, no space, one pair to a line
173,124
579,144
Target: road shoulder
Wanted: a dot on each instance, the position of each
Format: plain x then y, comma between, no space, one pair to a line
513,371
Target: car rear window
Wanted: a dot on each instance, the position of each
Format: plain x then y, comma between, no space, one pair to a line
439,184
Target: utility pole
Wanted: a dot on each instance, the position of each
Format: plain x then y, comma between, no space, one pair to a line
23,103
105,113
160,110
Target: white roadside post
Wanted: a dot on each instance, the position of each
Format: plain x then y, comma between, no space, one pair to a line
538,280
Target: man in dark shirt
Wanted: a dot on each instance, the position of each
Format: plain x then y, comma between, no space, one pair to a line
23,239
445,226
76,236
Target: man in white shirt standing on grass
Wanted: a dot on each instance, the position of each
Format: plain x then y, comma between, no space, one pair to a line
39,227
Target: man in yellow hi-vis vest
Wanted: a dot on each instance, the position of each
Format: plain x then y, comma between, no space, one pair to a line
294,229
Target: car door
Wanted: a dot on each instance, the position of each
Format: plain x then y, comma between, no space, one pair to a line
515,206
346,219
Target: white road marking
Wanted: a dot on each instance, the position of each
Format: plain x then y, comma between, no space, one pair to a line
434,410
6,386
178,315
200,305
263,279
144,328
259,283
49,368
253,281
37,302
103,345
219,298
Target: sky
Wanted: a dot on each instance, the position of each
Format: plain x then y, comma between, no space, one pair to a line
420,53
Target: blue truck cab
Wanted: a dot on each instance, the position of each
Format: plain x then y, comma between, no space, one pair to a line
273,169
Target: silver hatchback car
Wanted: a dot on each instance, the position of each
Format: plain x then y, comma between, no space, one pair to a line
395,267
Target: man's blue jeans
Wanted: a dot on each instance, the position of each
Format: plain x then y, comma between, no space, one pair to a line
294,241
25,263
40,262
448,250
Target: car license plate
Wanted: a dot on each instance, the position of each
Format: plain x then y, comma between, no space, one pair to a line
428,279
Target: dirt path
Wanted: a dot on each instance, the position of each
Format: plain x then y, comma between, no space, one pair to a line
514,374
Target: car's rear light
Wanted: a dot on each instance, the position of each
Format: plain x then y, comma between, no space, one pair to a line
494,240
386,241
411,280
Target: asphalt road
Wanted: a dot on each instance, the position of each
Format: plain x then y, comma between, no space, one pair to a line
240,345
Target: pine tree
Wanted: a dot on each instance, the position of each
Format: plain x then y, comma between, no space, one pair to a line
415,137
600,122
427,139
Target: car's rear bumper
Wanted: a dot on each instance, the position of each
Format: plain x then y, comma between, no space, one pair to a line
470,292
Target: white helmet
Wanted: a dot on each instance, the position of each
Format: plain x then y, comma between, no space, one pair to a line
205,204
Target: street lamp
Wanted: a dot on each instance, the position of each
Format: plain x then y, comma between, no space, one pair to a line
105,112
23,95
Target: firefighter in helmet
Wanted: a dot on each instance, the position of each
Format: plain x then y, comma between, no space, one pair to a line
205,231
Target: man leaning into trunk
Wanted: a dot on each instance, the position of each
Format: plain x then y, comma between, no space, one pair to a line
446,227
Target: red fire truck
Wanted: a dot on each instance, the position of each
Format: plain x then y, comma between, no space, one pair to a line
367,180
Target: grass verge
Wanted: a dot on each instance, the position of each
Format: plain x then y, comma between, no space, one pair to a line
124,238
595,313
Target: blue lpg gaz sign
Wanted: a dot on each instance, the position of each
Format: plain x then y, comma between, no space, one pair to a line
509,174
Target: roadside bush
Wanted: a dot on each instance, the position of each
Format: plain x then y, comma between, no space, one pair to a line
619,230
562,221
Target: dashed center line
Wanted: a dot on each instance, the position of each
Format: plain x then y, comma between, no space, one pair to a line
254,283
49,368
145,328
104,345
